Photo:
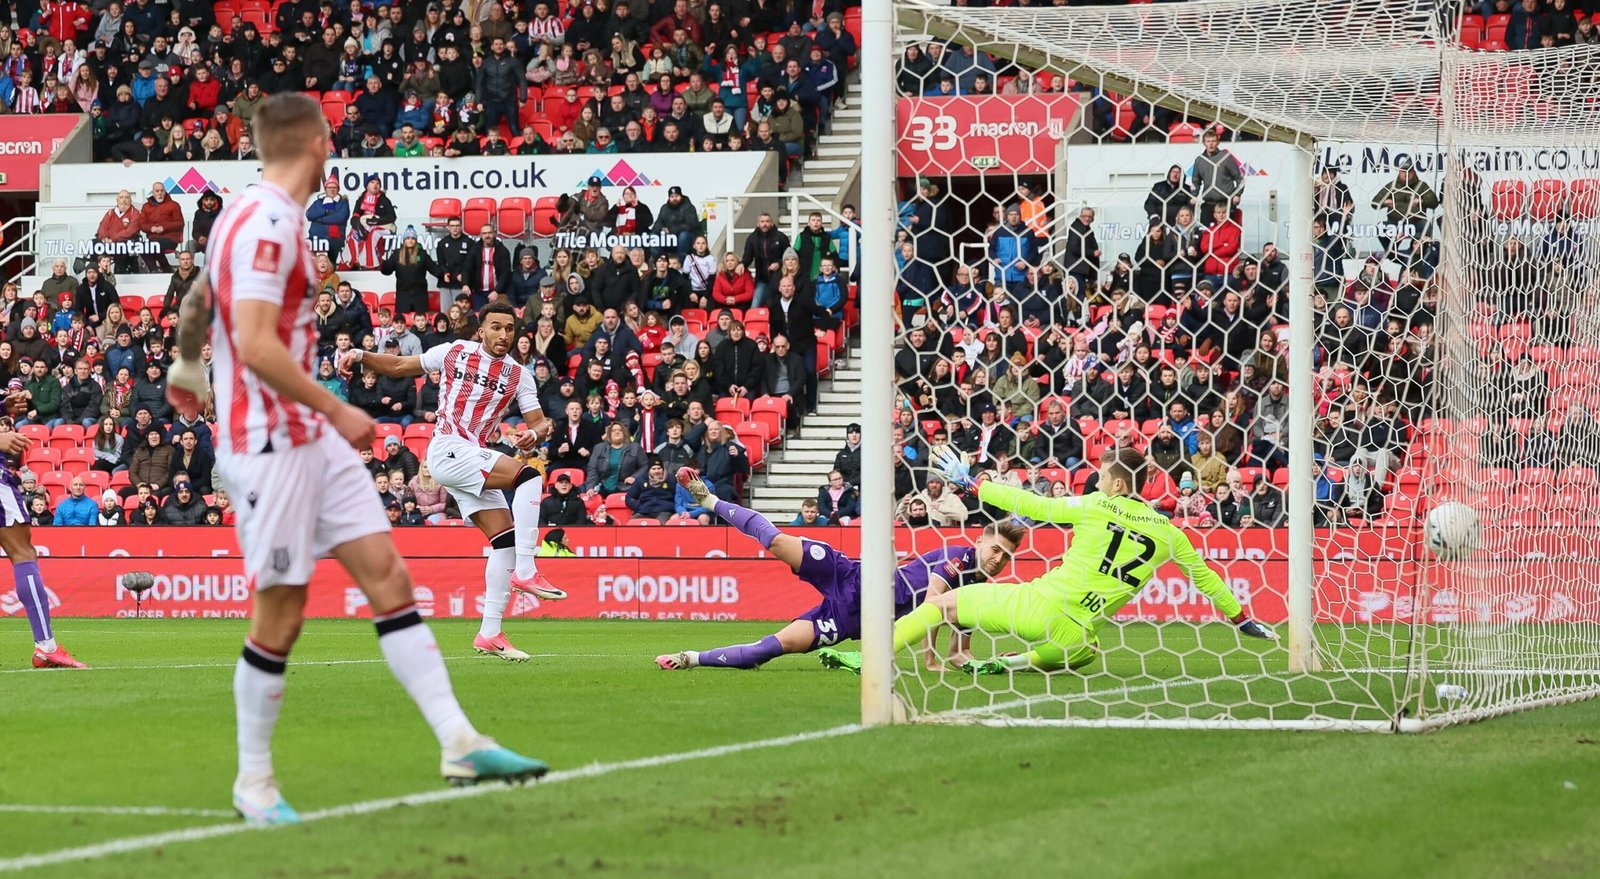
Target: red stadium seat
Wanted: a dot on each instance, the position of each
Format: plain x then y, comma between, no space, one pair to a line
1585,203
442,211
769,433
421,429
644,521
1508,199
770,410
545,216
77,460
42,460
39,433
131,305
1549,199
95,482
418,445
576,474
515,217
66,436
477,213
733,410
754,443
333,104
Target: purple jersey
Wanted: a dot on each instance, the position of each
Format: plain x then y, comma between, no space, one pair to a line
956,565
13,508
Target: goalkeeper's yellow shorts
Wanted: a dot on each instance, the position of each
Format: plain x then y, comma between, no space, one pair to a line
1035,615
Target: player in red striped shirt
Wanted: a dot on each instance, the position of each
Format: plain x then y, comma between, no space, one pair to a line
284,449
478,381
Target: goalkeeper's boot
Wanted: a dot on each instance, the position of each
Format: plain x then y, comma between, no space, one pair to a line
57,658
479,758
677,661
849,660
499,646
536,585
694,485
258,801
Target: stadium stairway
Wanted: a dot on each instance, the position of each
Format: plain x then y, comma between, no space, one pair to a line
795,471
830,176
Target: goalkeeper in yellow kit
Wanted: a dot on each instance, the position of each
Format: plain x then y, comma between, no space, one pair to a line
1118,541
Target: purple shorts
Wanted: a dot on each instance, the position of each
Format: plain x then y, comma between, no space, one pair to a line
837,577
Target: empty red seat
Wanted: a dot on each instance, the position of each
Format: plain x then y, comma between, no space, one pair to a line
477,213
442,211
545,216
1508,199
1549,198
515,216
66,436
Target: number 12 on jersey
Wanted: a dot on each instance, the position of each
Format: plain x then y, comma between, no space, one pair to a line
1127,572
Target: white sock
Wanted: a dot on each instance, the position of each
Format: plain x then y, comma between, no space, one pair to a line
525,515
413,655
48,645
257,700
497,589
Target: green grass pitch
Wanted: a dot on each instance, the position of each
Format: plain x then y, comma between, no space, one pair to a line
152,726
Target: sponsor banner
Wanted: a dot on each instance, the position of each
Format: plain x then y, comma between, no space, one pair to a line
412,184
26,144
962,136
765,589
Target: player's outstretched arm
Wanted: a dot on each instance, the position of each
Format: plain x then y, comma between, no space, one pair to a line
1063,510
255,336
389,365
1214,588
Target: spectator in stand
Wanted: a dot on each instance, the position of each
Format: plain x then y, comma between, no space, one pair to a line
185,507
653,497
110,510
944,508
737,365
916,286
372,219
1265,506
838,501
490,268
453,254
1081,253
679,217
563,507
848,459
1169,195
43,391
810,515
1407,200
75,508
1269,432
1217,177
1192,508
1219,246
190,458
410,265
721,461
81,396
95,295
1013,251
586,211
152,460
763,257
58,283
161,219
120,227
733,287
614,465
785,377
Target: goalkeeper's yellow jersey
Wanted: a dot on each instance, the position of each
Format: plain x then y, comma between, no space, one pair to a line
1117,543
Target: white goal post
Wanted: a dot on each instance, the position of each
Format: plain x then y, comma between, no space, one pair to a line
1453,641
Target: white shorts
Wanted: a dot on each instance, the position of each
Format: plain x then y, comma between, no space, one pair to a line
295,506
461,467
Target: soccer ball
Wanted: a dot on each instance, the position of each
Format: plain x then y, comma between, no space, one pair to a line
1451,531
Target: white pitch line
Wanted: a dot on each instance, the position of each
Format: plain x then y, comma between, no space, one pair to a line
232,828
292,664
157,811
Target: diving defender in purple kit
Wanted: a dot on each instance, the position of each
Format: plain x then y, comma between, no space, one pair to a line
838,579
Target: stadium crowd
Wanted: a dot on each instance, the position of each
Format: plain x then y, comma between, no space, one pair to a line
1035,360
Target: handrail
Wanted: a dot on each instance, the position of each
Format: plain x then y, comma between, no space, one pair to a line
20,235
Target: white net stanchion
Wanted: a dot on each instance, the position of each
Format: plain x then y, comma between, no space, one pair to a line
1314,265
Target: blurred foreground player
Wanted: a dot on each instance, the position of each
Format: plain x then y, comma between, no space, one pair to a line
285,452
17,540
478,382
838,579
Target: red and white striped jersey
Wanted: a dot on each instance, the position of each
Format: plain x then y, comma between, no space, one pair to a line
476,388
258,250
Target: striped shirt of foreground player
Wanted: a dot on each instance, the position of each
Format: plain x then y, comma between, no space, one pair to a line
1118,543
478,380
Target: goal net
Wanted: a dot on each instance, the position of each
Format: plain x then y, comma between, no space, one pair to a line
1329,265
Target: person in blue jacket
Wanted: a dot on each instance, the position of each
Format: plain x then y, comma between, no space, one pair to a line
76,508
329,215
1013,249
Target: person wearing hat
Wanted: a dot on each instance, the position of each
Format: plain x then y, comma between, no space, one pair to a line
397,457
328,215
372,218
564,507
841,47
586,210
527,280
678,216
372,145
185,506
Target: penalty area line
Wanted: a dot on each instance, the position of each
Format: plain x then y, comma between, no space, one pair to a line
310,663
594,770
152,811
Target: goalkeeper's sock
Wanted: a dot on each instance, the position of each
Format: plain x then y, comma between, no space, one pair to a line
36,602
525,517
497,581
257,699
749,522
914,626
413,655
741,655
